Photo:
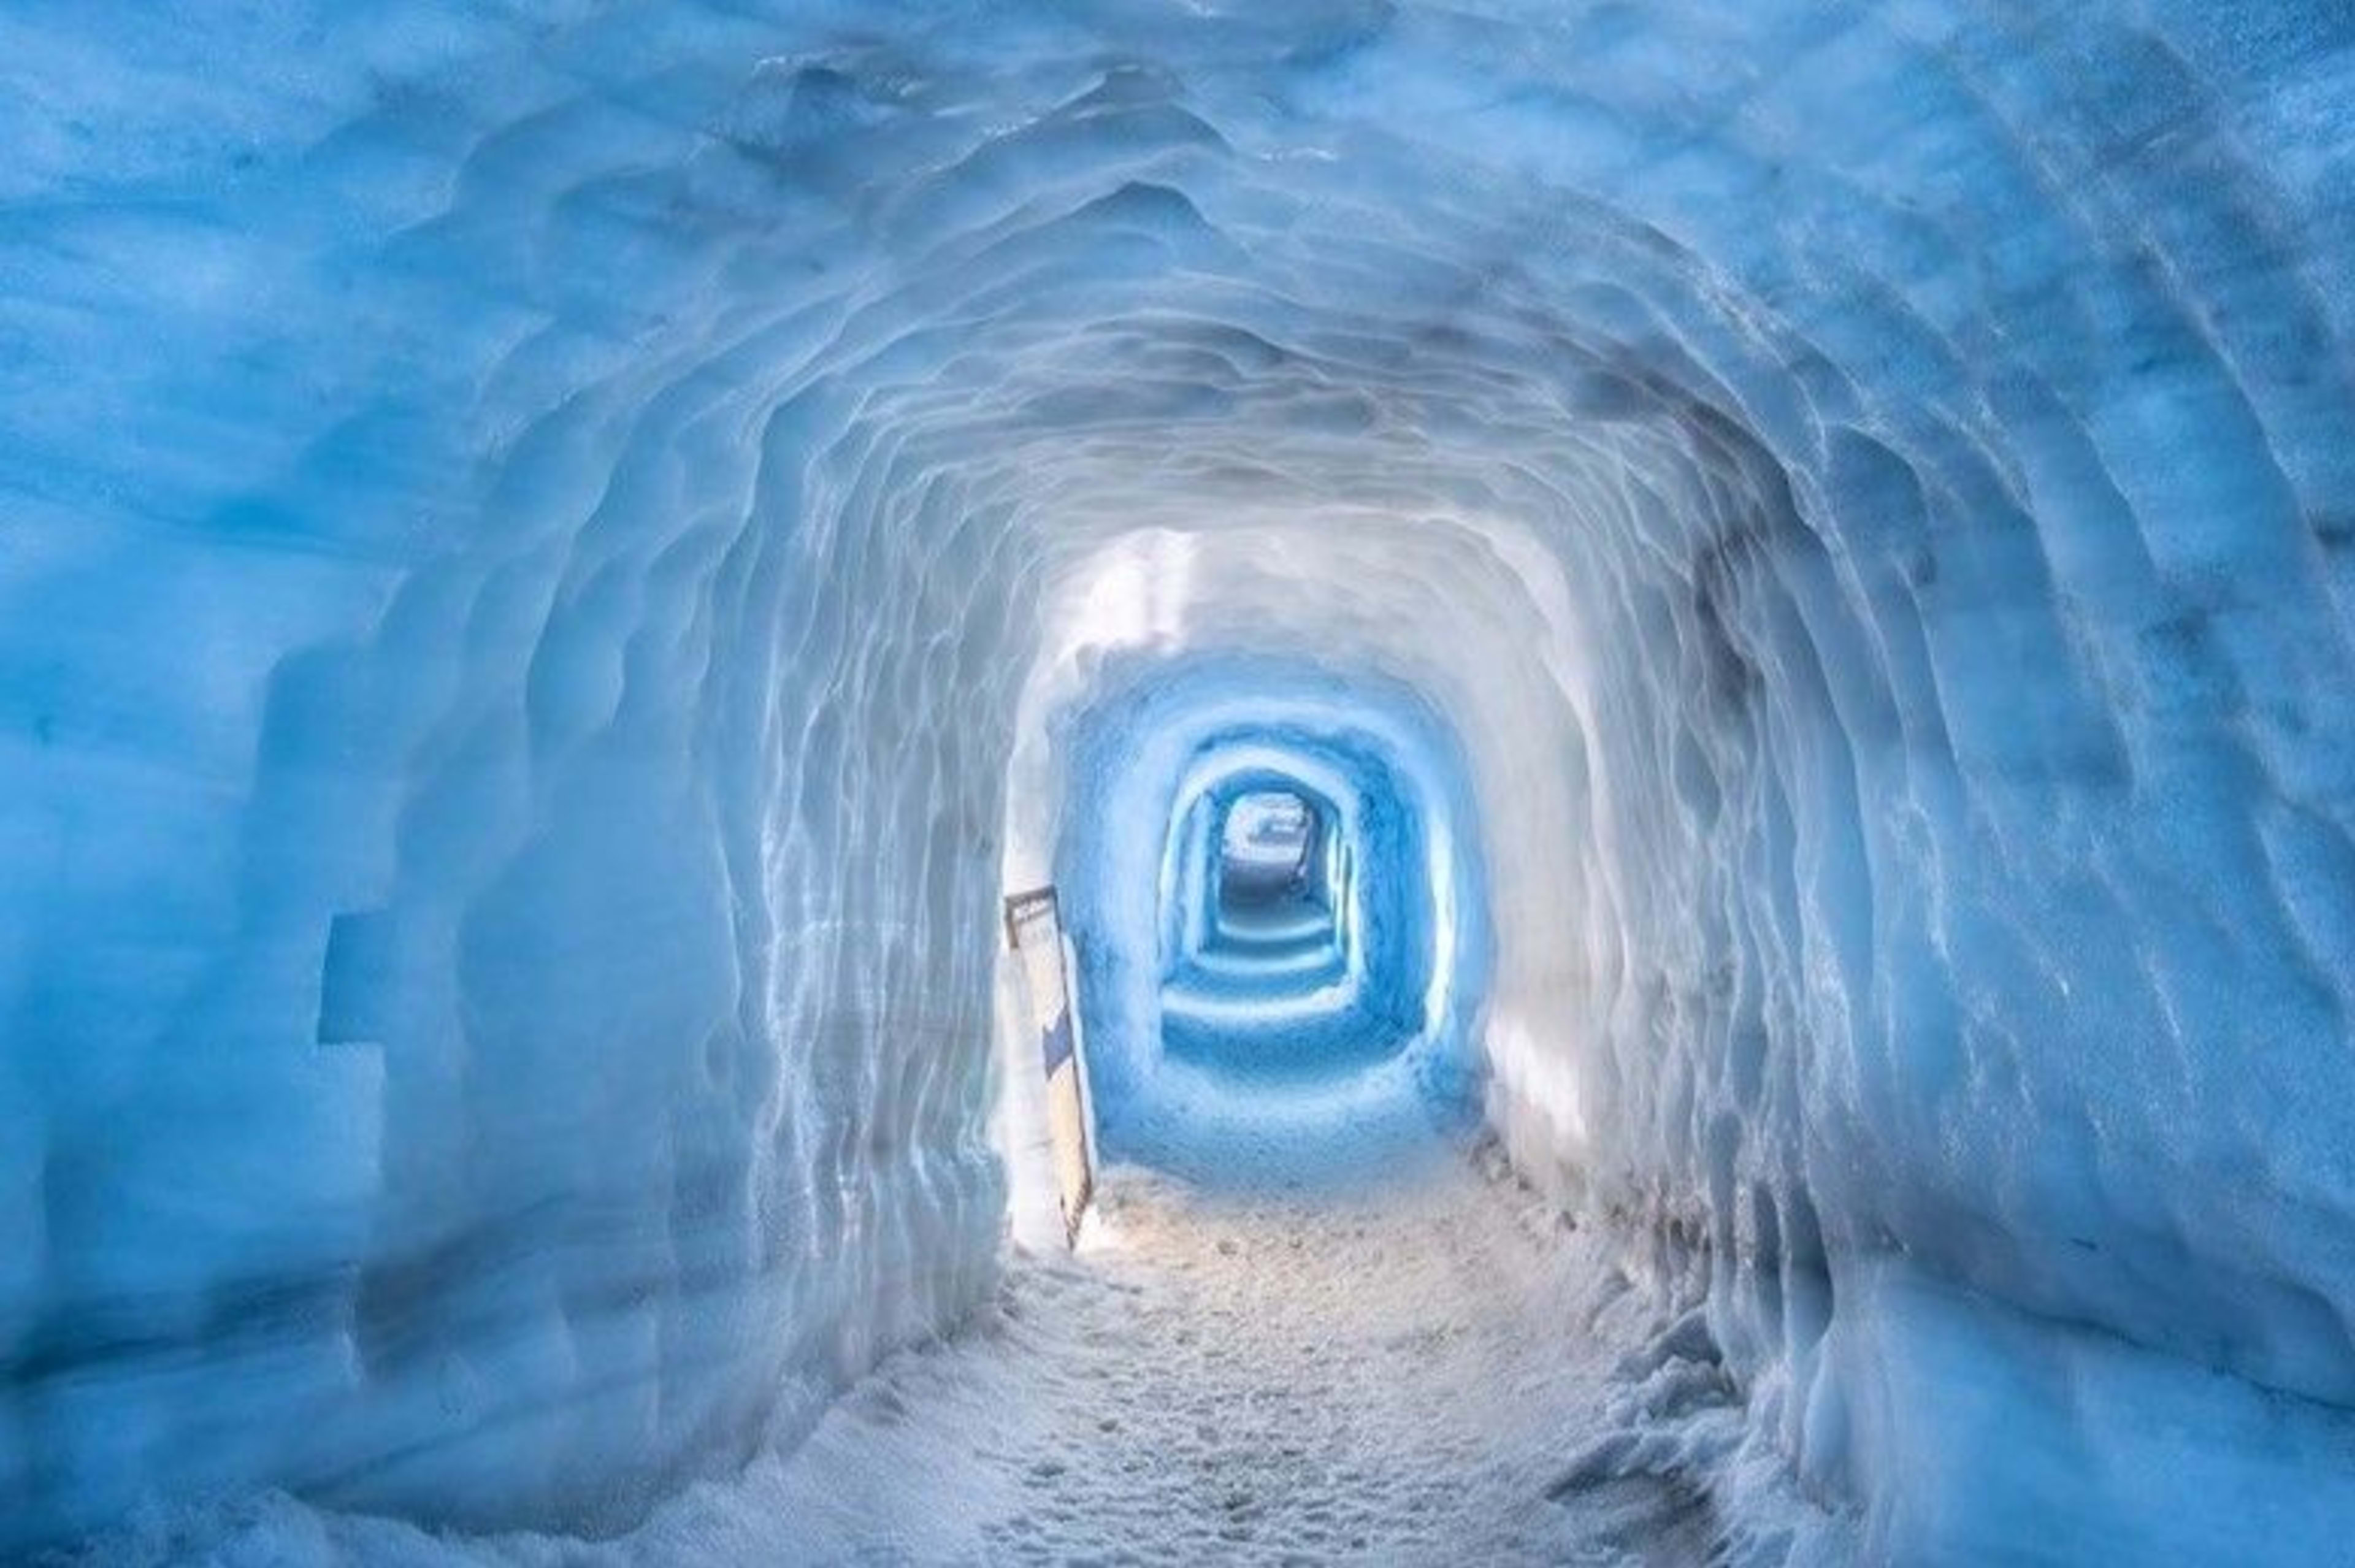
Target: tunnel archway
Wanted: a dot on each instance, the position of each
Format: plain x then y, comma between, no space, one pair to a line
559,565
1248,894
1304,984
1271,842
1308,1055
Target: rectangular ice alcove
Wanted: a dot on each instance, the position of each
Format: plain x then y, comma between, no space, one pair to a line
356,980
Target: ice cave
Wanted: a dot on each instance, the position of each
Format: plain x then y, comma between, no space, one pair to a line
1662,691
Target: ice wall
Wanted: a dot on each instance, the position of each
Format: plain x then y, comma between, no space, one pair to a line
546,548
1225,1068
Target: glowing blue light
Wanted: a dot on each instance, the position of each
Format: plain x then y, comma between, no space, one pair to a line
1304,1050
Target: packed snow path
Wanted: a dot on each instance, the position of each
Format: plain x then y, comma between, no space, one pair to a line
1399,1375
1393,1377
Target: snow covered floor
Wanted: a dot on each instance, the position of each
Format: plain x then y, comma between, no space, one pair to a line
1388,1378
1398,1376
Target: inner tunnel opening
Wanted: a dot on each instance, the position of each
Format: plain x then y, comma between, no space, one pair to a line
1260,891
1270,845
1277,915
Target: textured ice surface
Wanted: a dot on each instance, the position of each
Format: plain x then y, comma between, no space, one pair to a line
545,547
1218,1378
1231,1063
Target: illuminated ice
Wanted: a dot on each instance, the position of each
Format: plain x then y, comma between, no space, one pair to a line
556,561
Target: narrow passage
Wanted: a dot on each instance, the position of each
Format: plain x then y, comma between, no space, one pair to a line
1396,1376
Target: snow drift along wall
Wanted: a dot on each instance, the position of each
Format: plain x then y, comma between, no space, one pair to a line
534,539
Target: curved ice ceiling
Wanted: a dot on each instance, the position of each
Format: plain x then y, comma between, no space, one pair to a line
546,552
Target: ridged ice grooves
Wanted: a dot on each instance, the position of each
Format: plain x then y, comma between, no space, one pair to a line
536,538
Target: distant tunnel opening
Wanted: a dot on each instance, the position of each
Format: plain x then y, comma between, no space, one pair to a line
1275,894
1246,906
1271,842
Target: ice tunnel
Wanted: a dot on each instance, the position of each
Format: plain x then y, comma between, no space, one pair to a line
1247,1034
558,561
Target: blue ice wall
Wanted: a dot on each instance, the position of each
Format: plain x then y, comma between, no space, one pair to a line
1242,1003
544,550
1231,1071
